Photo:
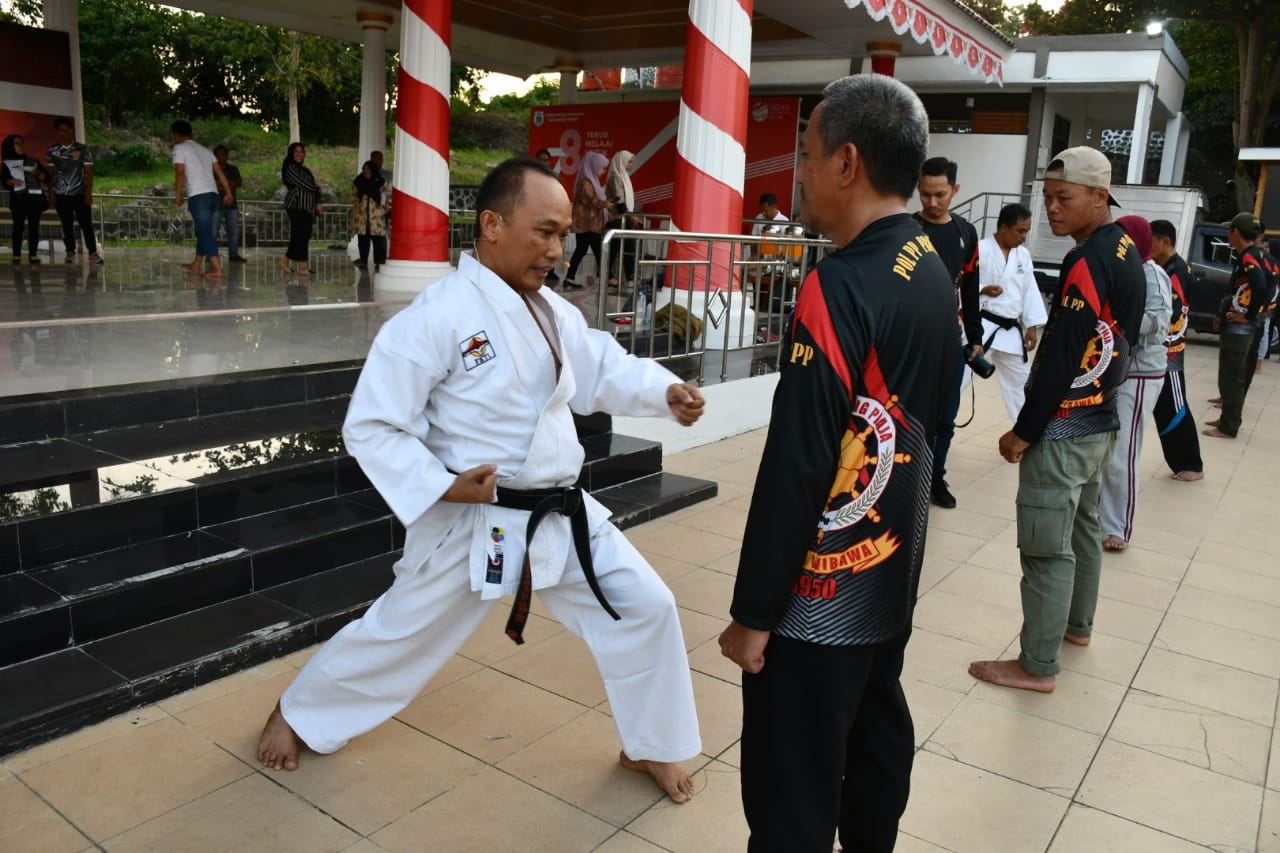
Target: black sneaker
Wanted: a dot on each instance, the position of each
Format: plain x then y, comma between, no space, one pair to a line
942,495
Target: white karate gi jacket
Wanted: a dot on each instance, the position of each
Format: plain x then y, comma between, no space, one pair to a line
463,377
1021,299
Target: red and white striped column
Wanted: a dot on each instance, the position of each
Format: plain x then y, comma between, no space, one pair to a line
712,130
419,252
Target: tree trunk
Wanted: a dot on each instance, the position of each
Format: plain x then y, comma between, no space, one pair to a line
295,128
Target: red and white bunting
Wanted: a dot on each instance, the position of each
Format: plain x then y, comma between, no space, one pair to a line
926,26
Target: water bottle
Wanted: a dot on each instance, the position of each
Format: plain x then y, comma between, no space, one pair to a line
642,309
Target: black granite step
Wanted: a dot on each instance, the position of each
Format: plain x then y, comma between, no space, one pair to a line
654,496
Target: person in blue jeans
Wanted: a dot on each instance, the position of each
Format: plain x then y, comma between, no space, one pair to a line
228,215
195,167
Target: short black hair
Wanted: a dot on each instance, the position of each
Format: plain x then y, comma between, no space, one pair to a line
218,148
1164,228
181,127
769,198
936,166
885,121
1012,214
537,155
503,187
63,120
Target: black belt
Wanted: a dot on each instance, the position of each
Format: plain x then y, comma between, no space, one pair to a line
538,502
1003,324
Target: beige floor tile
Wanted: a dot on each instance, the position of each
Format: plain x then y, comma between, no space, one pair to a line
690,463
1133,588
223,686
234,720
719,705
29,825
1269,830
562,665
299,659
1237,579
967,810
1196,735
578,763
711,822
1173,797
1000,555
1080,701
1250,652
1106,657
732,756
741,472
113,785
670,569
1126,621
1228,611
704,591
971,522
1273,765
489,715
979,584
698,628
721,520
943,661
934,572
911,844
708,660
247,815
116,727
490,811
990,623
364,845
945,545
1239,552
1028,749
1090,830
929,706
1209,685
1156,552
379,777
489,644
625,842
697,547
726,565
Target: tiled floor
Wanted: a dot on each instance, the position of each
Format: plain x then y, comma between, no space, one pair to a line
1161,736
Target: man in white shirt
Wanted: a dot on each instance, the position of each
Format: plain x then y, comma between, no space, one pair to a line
480,375
769,214
1012,308
197,168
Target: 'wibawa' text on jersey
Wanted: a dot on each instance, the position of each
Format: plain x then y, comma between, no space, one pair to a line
836,530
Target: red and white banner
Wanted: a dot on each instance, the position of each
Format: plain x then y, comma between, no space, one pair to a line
648,130
926,25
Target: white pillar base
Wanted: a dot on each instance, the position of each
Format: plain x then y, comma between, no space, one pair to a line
398,278
737,322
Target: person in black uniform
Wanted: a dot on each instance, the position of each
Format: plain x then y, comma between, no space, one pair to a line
1174,421
1068,424
956,241
835,535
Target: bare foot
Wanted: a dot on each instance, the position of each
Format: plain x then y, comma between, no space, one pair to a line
1009,673
1114,543
194,266
1075,639
669,776
1188,476
1217,401
1214,432
1213,423
284,265
278,746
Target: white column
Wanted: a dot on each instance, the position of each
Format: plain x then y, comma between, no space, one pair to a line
373,85
1141,130
61,15
1173,159
569,83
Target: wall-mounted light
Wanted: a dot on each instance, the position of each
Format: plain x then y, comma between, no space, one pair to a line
1155,28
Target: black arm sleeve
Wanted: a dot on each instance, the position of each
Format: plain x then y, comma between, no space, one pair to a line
969,308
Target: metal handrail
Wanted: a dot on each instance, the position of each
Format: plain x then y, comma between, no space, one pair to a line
768,271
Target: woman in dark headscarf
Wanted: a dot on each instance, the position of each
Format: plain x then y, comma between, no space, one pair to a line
26,181
301,204
369,215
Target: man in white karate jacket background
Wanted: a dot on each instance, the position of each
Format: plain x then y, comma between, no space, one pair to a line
481,375
1012,308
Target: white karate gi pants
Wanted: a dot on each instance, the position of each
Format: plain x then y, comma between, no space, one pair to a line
1118,491
1011,375
375,666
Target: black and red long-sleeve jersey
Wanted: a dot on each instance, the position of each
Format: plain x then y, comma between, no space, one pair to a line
1180,277
835,534
956,242
1084,355
1253,283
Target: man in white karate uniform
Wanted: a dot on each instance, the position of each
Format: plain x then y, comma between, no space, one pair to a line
1012,308
481,375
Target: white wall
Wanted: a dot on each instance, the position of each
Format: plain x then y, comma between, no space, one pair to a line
732,409
989,162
